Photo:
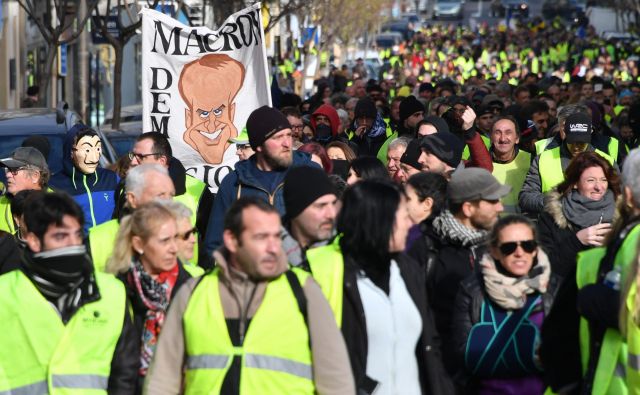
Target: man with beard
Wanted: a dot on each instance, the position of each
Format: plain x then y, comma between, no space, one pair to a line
293,344
67,327
261,175
459,234
209,86
311,204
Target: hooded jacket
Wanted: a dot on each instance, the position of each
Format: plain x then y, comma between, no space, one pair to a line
244,181
330,113
95,192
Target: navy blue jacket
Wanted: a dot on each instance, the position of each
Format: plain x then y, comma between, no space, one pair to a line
244,178
93,192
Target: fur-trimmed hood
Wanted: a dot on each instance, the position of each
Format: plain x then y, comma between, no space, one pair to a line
553,206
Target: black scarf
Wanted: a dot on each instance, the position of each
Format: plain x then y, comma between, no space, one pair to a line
64,276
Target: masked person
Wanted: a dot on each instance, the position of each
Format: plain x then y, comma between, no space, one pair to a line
325,123
66,328
92,187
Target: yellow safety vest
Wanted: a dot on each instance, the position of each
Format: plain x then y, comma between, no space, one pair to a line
275,353
550,167
384,149
6,218
42,355
191,198
609,376
512,173
101,240
541,145
633,343
327,268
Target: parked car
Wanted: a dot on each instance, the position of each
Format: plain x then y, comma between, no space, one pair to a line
17,125
516,8
448,9
566,9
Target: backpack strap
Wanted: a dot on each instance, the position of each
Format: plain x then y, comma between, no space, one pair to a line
301,299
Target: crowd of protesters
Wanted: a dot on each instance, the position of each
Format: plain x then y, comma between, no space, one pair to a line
465,223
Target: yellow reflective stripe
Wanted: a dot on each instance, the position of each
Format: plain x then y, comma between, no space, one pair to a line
207,361
279,364
88,381
633,361
36,388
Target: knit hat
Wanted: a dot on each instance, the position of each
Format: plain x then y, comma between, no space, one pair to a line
409,106
303,185
412,154
577,128
264,123
475,183
365,108
437,122
445,146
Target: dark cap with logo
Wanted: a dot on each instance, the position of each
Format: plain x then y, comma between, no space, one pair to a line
475,183
577,128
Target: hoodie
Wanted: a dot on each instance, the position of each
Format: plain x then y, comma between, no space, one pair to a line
93,192
330,113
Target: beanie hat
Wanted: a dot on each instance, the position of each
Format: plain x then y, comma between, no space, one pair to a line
263,123
409,106
412,154
365,108
445,146
437,122
302,186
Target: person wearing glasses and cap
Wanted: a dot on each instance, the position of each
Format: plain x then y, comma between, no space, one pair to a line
25,169
243,148
91,186
499,311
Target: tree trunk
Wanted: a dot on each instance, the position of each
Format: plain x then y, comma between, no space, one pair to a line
45,82
117,85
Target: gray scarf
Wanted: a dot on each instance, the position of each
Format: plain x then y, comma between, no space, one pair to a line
449,228
583,212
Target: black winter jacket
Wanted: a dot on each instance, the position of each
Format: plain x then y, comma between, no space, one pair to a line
557,236
453,264
467,311
434,379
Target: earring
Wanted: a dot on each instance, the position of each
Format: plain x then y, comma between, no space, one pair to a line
140,252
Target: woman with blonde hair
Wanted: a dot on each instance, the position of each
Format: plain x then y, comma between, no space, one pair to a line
145,259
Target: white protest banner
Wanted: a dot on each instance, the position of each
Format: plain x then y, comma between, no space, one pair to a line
199,86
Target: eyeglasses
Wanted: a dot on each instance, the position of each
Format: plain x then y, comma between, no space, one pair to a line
15,170
187,234
510,247
297,127
243,146
140,157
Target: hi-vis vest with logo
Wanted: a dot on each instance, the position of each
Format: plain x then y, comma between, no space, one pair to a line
327,268
512,173
609,377
550,167
275,354
41,355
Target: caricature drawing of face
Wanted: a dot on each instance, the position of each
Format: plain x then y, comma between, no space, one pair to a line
86,154
208,86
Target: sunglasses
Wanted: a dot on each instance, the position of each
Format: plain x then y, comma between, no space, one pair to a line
510,247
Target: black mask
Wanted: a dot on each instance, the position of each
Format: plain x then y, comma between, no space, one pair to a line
323,133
